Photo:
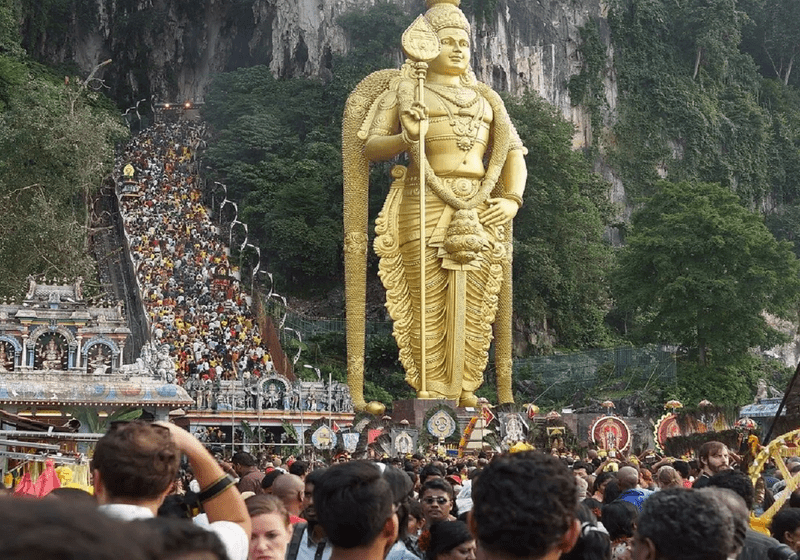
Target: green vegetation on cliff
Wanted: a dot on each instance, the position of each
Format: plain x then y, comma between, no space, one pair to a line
57,139
700,107
693,105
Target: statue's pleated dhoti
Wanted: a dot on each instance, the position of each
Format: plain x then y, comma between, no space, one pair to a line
461,297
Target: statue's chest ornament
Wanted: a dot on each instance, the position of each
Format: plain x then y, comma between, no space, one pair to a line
465,123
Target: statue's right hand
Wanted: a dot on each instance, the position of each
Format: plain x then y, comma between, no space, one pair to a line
414,120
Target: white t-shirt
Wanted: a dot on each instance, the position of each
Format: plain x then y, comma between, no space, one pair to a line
232,536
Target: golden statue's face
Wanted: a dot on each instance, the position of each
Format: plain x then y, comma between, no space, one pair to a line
453,60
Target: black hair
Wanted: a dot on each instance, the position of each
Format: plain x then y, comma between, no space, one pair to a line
612,491
736,481
682,467
175,506
592,504
786,520
685,525
401,487
56,528
794,499
179,538
445,536
739,516
70,493
593,543
600,479
430,470
353,502
523,504
619,519
415,509
300,468
437,484
269,479
315,476
243,458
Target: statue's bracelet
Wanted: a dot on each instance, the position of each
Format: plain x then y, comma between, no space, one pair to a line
515,198
404,136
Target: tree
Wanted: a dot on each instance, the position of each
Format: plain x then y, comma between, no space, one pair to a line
777,35
561,259
56,146
700,270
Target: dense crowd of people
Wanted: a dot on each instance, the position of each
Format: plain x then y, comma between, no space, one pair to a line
191,292
525,505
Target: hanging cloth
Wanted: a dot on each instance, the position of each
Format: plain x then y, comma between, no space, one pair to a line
47,481
25,487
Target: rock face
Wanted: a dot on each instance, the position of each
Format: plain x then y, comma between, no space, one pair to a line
171,49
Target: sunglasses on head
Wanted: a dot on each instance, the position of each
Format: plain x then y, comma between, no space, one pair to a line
430,500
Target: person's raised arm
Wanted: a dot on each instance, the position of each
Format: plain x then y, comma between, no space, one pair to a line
227,505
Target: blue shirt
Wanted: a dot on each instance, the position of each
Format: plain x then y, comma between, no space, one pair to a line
636,496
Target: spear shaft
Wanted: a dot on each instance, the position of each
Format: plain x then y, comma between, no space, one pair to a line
423,330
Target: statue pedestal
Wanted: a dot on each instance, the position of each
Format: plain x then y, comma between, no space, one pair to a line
414,410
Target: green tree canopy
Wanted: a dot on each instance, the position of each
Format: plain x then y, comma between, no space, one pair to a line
561,259
700,270
56,146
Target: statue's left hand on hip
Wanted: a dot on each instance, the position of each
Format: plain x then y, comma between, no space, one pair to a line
500,211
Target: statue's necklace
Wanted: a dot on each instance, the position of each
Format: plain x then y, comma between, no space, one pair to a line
465,126
457,95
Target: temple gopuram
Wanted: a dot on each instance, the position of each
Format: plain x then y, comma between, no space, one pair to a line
62,380
58,352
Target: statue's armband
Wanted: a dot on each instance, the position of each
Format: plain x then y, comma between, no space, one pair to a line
381,120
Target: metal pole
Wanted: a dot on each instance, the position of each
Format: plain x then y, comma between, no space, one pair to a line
784,400
302,425
231,400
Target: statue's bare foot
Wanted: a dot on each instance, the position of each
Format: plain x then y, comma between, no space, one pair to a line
468,399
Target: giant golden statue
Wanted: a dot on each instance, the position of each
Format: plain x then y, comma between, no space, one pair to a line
463,148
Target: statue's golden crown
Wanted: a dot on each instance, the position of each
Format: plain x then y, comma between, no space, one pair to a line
442,14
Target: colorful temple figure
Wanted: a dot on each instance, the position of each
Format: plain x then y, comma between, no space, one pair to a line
6,359
456,240
51,355
99,360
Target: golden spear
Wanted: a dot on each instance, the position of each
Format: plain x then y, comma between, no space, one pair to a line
421,45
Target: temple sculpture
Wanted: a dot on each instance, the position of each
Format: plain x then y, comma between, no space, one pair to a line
465,155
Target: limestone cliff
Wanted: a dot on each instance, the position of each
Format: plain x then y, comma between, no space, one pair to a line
171,49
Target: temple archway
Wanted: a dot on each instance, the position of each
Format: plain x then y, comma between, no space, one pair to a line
52,348
100,355
10,353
